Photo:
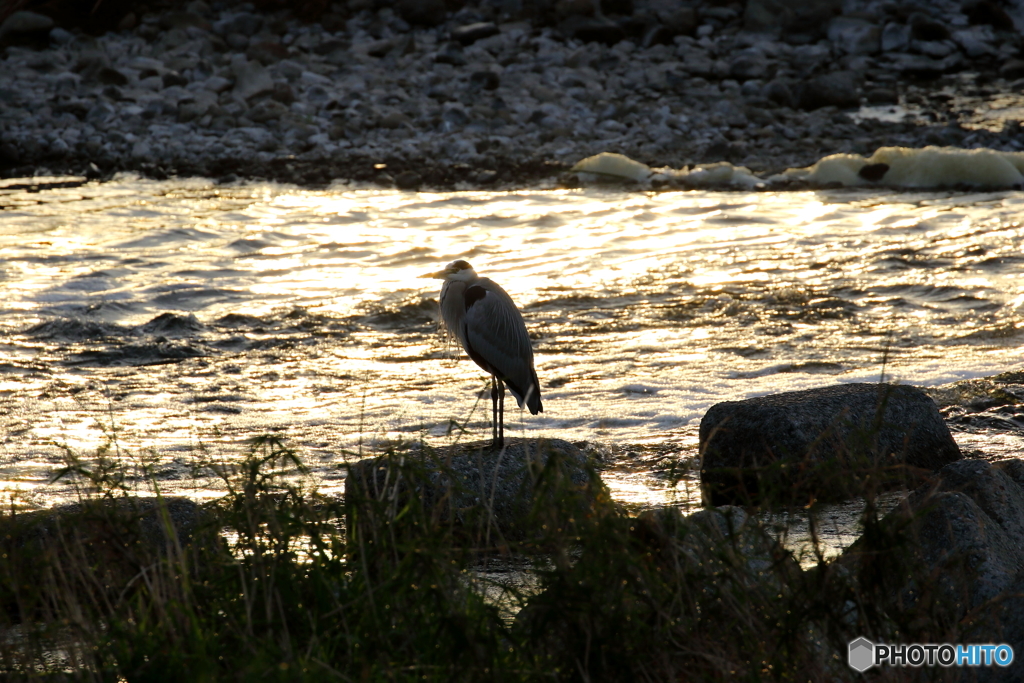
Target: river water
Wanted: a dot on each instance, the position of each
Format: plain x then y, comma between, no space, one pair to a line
166,322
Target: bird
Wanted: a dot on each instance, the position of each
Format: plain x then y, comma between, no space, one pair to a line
482,317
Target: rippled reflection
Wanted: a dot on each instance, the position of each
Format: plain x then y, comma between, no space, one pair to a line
310,317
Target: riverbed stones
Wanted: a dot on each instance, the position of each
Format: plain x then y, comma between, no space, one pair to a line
653,63
824,444
492,496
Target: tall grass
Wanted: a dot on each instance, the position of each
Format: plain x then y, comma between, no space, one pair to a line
266,584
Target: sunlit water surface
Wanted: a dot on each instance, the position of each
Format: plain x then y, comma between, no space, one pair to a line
311,319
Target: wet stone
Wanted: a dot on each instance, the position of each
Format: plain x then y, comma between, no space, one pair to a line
26,28
408,180
484,80
819,443
839,89
488,492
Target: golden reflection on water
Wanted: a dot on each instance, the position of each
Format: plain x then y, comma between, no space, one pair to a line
646,308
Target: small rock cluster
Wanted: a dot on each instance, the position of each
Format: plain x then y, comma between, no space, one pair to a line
410,93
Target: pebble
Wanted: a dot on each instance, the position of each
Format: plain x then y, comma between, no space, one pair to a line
471,33
478,90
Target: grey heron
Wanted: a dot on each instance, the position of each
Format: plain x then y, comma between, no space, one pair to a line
481,315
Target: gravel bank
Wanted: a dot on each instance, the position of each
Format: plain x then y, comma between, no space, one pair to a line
491,96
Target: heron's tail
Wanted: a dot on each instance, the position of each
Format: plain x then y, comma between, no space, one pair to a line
531,396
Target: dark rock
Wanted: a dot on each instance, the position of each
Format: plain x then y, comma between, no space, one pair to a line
242,23
266,110
925,68
678,21
427,13
950,548
671,579
882,96
895,37
237,41
621,7
408,180
182,19
923,27
990,13
113,539
451,54
251,79
489,493
330,45
90,62
60,36
873,172
26,28
484,80
110,76
656,35
172,325
855,36
593,30
380,48
267,52
172,78
779,92
839,89
820,443
1012,69
455,118
470,33
748,67
790,19
282,93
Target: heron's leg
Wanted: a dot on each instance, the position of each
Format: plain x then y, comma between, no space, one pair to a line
501,414
494,409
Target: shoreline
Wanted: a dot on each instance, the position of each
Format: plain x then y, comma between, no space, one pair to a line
226,92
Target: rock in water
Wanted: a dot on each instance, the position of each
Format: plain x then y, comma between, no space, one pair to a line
825,444
951,554
490,495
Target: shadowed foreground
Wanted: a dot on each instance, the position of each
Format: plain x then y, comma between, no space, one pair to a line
282,595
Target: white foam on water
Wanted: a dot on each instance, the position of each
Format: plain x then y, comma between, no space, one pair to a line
905,167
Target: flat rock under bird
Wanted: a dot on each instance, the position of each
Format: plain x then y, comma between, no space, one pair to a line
483,318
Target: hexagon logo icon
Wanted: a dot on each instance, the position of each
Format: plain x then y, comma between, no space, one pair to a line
862,654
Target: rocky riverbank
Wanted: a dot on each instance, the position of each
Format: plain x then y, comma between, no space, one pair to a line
500,94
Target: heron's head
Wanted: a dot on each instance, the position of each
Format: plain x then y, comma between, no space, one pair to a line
455,271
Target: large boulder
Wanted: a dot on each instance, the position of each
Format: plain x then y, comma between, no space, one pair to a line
97,544
26,28
948,562
651,595
488,496
820,444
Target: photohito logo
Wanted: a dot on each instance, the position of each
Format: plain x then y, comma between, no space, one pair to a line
864,654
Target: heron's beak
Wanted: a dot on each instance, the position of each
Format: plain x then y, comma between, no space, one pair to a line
439,275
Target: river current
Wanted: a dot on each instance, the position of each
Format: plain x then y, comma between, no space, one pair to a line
166,322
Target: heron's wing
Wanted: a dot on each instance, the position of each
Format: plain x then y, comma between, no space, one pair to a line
496,338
